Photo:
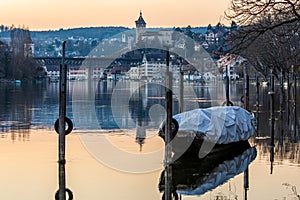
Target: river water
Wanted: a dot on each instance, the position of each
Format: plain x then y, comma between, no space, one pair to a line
114,151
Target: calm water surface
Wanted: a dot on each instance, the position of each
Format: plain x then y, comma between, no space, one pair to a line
114,152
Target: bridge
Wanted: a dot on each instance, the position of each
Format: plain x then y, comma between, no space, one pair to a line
54,62
87,67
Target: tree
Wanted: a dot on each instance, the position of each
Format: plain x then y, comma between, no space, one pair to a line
250,15
247,12
267,33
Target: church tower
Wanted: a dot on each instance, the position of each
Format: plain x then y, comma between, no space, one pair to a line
140,27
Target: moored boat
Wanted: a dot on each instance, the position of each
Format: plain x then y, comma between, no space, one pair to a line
200,130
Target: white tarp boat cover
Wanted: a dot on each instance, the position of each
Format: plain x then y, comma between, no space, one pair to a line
222,173
220,124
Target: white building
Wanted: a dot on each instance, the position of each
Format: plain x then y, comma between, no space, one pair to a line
152,70
228,63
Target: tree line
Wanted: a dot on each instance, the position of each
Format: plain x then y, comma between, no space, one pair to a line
267,34
15,62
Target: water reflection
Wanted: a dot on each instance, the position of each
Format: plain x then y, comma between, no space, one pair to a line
144,103
17,106
192,176
30,106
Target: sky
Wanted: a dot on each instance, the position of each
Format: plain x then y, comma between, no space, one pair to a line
56,14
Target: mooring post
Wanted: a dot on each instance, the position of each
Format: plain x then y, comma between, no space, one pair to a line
60,128
288,98
168,147
181,87
246,183
62,125
281,109
295,105
272,120
246,87
257,90
271,159
227,88
257,104
246,107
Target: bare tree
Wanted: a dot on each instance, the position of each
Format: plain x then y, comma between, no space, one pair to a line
277,50
267,33
256,17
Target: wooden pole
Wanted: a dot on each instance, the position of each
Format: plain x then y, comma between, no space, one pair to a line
288,107
257,104
227,88
272,118
181,88
246,107
62,124
168,147
272,121
246,87
295,105
246,183
281,109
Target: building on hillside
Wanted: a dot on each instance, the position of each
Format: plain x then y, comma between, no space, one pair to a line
215,34
152,69
160,38
229,63
140,27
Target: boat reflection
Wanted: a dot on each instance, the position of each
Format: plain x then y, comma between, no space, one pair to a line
196,177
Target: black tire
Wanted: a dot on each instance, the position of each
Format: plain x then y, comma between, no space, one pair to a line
70,193
230,103
242,99
174,196
174,129
70,126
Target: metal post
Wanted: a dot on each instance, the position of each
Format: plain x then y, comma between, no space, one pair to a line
181,87
272,118
62,124
246,106
272,121
271,159
227,88
295,105
168,147
246,183
257,91
246,88
257,104
281,110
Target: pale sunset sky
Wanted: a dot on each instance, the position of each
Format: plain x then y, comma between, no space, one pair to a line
55,14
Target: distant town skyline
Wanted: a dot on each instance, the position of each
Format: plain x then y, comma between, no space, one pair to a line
53,15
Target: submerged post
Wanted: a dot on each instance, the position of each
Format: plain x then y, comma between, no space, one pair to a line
257,90
246,183
295,105
272,121
246,87
281,109
272,118
168,147
181,87
227,87
257,103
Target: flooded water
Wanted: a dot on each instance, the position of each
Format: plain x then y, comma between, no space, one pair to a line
114,151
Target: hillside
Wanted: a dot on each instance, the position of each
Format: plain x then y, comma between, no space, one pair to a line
87,32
